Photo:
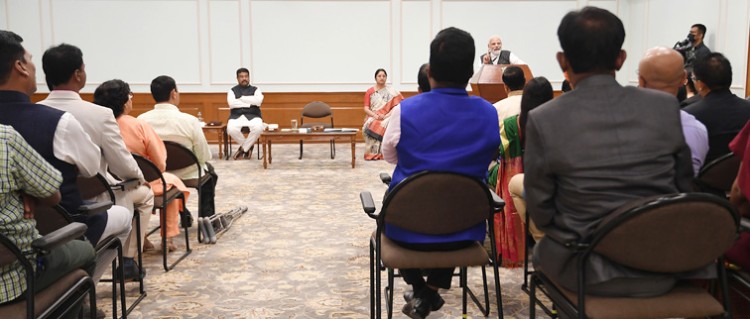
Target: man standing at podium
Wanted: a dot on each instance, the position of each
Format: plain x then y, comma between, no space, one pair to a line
244,106
496,55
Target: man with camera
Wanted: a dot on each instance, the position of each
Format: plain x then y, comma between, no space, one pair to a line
693,48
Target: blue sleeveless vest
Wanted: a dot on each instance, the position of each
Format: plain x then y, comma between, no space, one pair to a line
445,130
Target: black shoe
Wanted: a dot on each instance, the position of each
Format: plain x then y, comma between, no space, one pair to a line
439,302
186,218
131,270
239,154
246,155
416,308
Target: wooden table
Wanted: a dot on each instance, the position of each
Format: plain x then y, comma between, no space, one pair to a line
221,131
268,137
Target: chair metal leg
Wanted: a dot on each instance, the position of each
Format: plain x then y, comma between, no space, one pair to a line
372,279
139,252
333,149
378,310
389,293
532,298
464,292
300,149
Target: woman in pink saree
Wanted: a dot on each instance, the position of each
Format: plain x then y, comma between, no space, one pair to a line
379,101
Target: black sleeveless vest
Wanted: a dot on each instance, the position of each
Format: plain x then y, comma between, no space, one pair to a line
249,112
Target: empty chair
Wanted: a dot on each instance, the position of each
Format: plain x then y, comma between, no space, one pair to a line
317,110
432,203
669,234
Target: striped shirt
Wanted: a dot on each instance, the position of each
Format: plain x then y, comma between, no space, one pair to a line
22,169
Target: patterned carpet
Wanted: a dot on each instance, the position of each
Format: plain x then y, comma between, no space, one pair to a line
301,250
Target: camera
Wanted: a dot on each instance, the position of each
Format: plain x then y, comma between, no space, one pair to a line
685,44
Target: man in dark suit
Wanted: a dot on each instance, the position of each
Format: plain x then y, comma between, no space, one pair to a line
596,148
723,113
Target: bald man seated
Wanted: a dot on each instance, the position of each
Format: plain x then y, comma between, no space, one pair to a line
496,55
662,69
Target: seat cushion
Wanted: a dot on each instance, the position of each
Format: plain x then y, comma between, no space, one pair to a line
684,301
44,299
395,256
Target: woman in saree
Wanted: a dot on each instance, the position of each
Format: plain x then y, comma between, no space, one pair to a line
379,101
511,237
141,139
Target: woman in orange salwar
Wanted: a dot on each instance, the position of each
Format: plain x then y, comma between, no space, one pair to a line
141,139
510,235
379,101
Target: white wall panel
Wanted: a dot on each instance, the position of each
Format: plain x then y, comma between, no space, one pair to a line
336,45
23,17
225,41
132,40
416,35
314,42
527,28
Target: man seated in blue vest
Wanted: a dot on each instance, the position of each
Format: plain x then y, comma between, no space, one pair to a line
430,132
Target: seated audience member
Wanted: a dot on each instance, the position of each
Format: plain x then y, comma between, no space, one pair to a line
691,94
57,136
244,102
141,139
423,79
28,180
65,74
595,148
510,237
514,81
172,125
428,132
662,69
739,254
496,55
723,113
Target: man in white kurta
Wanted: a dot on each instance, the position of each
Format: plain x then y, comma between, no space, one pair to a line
244,106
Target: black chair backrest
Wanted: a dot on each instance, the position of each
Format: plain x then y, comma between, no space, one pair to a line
90,187
179,156
437,203
49,219
669,234
9,253
720,173
316,109
148,169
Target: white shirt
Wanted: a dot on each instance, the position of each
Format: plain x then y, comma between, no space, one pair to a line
100,124
392,136
508,106
72,145
245,100
172,125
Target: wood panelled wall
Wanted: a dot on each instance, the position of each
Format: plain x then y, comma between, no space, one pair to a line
278,108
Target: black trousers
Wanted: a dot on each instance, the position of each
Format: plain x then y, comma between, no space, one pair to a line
206,206
436,277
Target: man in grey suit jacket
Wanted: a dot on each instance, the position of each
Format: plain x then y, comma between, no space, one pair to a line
594,149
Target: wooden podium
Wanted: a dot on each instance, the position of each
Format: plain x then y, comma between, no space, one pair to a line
488,81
